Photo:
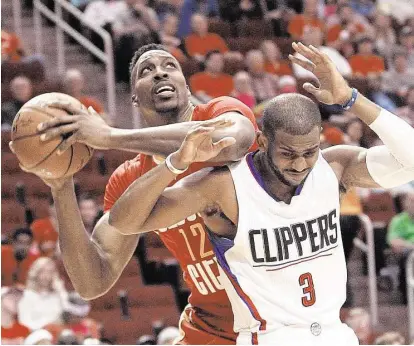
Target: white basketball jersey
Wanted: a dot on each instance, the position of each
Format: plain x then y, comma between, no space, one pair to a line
286,265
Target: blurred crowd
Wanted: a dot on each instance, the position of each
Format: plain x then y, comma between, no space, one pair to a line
371,43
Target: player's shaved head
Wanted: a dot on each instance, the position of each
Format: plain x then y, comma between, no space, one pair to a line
295,114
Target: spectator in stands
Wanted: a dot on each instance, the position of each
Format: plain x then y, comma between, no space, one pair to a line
67,337
401,10
212,82
168,37
287,84
189,8
347,25
241,9
308,19
401,238
12,332
264,85
45,232
243,89
273,59
39,337
390,338
167,336
360,322
102,13
365,8
44,298
138,20
74,83
315,37
200,42
398,78
407,112
406,38
16,259
365,63
386,38
89,211
75,320
11,47
22,91
146,340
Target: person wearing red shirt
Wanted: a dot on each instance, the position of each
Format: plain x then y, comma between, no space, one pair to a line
12,332
212,82
16,259
162,96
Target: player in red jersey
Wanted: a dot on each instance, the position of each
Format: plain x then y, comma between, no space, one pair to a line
162,96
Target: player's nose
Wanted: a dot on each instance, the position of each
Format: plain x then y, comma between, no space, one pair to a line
299,164
160,74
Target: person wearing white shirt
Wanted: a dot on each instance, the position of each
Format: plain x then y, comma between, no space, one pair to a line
45,296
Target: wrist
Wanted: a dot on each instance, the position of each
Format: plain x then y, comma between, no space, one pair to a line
344,97
177,162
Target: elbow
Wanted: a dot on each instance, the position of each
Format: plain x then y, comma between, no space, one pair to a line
124,226
244,141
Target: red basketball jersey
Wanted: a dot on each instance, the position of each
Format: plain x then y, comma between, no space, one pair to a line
209,311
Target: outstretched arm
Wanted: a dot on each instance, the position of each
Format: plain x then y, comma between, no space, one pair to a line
163,206
93,262
89,128
387,166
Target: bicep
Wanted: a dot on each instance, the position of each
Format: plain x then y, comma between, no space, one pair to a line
114,248
350,166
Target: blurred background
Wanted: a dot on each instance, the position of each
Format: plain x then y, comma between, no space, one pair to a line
233,48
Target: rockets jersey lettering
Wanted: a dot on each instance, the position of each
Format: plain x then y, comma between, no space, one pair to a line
286,264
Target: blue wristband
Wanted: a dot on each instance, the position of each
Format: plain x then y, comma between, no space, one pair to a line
351,102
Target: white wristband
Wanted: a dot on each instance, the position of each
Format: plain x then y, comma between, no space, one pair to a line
172,168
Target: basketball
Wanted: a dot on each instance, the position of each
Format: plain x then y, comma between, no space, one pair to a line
40,157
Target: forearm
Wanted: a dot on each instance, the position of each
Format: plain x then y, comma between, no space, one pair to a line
133,208
81,256
164,140
160,140
365,109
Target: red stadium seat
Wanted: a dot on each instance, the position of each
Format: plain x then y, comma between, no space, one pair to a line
380,208
12,212
9,163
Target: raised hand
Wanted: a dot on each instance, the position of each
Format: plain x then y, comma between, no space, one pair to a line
333,88
199,145
85,126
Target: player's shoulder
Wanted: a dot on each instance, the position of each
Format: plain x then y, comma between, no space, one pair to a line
127,167
220,105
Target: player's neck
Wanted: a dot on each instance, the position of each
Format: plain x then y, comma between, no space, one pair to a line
187,113
274,185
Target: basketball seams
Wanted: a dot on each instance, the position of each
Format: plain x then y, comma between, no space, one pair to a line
70,161
47,156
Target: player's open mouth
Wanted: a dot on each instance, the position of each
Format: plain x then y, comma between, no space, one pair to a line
164,90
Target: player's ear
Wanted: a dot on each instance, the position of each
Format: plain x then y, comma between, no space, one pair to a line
188,91
262,141
135,100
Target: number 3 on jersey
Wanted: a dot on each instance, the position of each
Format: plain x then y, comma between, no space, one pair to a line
306,281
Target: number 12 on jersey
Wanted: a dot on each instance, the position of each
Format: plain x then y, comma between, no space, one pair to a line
306,281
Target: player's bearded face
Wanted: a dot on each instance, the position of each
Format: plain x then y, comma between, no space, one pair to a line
291,157
159,83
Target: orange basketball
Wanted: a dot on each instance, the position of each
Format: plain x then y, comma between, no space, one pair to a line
41,157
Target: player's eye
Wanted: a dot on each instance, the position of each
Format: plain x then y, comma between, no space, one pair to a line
309,154
287,154
171,64
145,70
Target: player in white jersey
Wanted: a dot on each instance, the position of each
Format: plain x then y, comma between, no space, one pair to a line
275,224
